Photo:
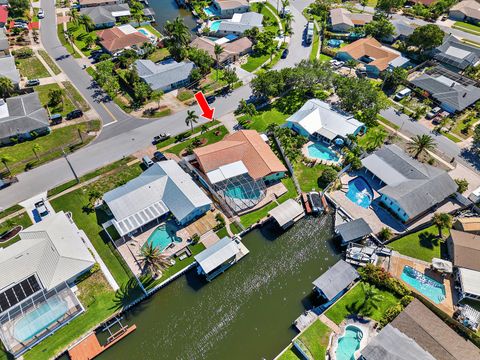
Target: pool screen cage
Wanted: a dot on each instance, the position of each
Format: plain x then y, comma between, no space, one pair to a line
251,192
9,319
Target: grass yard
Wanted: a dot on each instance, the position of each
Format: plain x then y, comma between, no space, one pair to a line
174,139
254,62
315,339
470,28
65,43
159,55
291,191
424,244
260,122
290,355
234,228
315,45
63,107
31,68
79,37
450,136
308,176
152,30
352,302
324,57
22,220
75,96
222,232
251,218
10,210
209,136
56,70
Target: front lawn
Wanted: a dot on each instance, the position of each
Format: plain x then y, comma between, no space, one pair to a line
206,138
31,68
315,339
79,37
22,220
424,244
64,107
77,99
159,55
470,28
254,61
260,122
65,43
352,303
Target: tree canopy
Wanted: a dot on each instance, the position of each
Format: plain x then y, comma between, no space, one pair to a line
426,37
380,28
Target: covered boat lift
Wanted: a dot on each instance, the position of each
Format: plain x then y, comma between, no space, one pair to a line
287,213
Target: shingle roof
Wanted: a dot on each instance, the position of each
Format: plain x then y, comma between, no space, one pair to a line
457,53
335,279
241,22
231,48
402,28
105,14
343,16
416,187
446,90
466,249
231,4
115,39
93,2
246,146
163,74
381,55
470,8
8,69
25,114
353,230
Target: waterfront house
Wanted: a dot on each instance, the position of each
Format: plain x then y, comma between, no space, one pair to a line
93,3
342,20
453,92
120,38
232,50
166,76
464,250
375,56
3,15
354,230
319,120
468,224
38,272
217,258
455,54
417,333
467,10
239,168
9,70
106,16
239,23
334,282
403,30
409,188
162,189
227,8
22,117
287,213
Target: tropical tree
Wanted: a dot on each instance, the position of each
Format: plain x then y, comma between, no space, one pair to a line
55,97
6,159
152,259
351,64
462,185
203,128
191,118
86,21
89,40
36,148
285,3
230,76
157,95
372,296
421,143
6,87
93,196
426,37
218,50
74,16
178,38
375,138
442,221
288,18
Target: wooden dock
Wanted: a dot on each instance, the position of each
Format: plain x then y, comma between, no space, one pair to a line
306,203
89,347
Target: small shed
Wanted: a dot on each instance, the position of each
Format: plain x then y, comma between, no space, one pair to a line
354,230
287,213
335,281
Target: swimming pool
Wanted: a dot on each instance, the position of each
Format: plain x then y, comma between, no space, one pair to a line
238,192
210,11
349,343
320,151
360,192
34,322
424,284
144,32
334,43
164,235
214,25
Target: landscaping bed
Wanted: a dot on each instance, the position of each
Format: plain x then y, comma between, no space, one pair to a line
22,220
209,137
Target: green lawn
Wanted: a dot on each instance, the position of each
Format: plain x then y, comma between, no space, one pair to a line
315,45
234,228
185,134
470,28
289,355
79,39
222,232
423,245
315,339
63,108
10,210
254,62
56,70
308,176
259,122
73,95
351,303
152,30
31,68
22,219
291,191
209,136
251,218
324,57
159,55
65,43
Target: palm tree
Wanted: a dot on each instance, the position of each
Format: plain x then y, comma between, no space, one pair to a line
421,143
152,260
89,40
5,159
376,138
442,221
6,87
285,3
157,95
372,296
74,16
55,97
288,19
36,148
86,21
203,128
191,118
178,31
351,64
218,50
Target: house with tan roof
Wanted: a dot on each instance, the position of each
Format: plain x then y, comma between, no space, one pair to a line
468,10
232,50
239,168
226,8
373,55
342,20
120,38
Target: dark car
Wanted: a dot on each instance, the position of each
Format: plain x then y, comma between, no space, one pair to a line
210,99
41,208
285,54
159,156
161,137
56,118
33,82
74,114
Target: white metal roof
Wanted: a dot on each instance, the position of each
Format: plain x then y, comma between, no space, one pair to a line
286,212
217,254
227,172
470,280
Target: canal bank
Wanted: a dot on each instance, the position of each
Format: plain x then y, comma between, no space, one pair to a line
169,10
247,312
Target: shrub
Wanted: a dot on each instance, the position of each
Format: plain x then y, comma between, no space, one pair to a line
23,53
462,185
195,238
328,175
390,314
385,234
383,280
407,299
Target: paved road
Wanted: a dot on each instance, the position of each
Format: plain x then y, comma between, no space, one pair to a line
122,134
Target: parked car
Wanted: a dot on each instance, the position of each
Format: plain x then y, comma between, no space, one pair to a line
40,14
74,114
402,94
210,99
285,54
432,113
20,25
20,21
56,118
336,64
309,34
159,156
361,72
32,82
41,208
147,161
161,137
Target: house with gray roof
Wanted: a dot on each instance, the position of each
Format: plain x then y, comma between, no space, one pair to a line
456,54
107,15
37,273
466,10
342,20
410,188
239,23
353,230
227,8
403,30
4,44
334,282
162,189
22,117
452,91
166,76
9,70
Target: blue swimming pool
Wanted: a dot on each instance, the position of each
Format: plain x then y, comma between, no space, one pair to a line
360,192
424,284
320,151
214,25
238,192
210,11
349,343
144,32
164,235
34,322
334,43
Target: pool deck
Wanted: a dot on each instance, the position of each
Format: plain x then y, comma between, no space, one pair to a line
321,161
398,262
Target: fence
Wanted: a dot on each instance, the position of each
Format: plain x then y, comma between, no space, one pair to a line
289,165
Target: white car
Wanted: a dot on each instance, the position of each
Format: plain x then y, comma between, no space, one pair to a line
41,14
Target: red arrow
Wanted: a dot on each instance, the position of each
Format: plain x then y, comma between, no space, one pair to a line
202,102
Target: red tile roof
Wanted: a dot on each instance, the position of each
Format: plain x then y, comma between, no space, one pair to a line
3,14
115,39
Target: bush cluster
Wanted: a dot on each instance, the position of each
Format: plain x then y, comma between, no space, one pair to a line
383,280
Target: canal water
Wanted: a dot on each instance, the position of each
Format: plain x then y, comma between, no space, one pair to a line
246,312
169,10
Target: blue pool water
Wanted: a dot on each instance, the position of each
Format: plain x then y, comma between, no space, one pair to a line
39,319
424,284
319,151
360,192
143,32
349,343
210,11
164,235
215,25
238,192
334,43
